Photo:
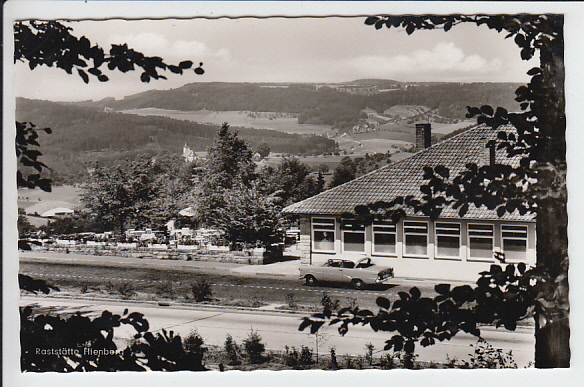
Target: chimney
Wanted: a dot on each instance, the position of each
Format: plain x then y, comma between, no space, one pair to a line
423,136
488,154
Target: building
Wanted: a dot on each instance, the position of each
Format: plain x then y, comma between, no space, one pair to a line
449,248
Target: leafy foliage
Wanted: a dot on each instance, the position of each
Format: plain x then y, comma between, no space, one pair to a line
201,290
79,343
50,43
143,192
231,351
290,181
502,296
27,154
29,284
344,172
230,196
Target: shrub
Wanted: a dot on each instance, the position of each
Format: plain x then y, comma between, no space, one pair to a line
291,300
387,362
193,345
485,356
166,289
369,347
254,348
306,356
327,303
232,351
126,290
298,360
201,290
291,357
333,363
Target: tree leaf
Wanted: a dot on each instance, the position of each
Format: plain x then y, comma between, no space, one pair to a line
83,75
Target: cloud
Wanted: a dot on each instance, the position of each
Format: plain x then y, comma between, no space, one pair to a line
445,59
156,44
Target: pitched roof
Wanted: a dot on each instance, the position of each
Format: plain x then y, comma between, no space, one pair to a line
404,178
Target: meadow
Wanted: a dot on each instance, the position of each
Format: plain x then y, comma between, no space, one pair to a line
256,120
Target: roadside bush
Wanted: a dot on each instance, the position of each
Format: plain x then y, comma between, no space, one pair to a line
110,287
334,365
388,362
254,348
328,304
231,351
201,290
166,289
193,345
485,356
291,300
84,288
298,360
369,347
306,356
126,290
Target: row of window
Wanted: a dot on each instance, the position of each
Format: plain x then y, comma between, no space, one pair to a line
447,239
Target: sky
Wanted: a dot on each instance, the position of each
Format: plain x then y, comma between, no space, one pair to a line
330,49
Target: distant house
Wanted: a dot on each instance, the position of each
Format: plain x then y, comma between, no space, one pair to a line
449,248
257,157
58,212
188,154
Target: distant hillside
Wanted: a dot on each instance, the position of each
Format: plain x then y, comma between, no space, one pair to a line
81,135
332,105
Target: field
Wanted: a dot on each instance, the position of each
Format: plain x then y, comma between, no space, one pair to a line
257,120
59,195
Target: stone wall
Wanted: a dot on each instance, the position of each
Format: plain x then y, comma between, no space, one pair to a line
251,257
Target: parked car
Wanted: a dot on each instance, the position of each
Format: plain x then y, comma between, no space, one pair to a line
359,272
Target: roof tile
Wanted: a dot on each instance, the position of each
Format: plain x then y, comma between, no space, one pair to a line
404,178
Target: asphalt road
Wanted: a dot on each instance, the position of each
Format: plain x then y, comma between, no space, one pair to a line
281,329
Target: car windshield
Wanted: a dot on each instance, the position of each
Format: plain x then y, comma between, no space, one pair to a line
366,262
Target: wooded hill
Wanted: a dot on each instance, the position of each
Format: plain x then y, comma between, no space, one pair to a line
82,135
322,104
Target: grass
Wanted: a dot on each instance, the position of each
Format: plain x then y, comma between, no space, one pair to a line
175,285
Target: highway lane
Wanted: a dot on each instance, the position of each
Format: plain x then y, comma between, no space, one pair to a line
281,329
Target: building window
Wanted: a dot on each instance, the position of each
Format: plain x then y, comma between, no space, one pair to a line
353,236
323,234
416,238
480,241
447,240
384,237
514,242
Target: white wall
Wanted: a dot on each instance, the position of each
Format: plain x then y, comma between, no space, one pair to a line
461,268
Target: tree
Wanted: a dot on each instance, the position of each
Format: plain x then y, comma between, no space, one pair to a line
230,197
344,172
290,180
121,195
504,295
264,149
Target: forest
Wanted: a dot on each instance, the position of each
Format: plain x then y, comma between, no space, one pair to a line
82,135
320,104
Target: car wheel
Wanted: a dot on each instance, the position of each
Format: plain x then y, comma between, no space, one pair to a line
358,284
310,280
